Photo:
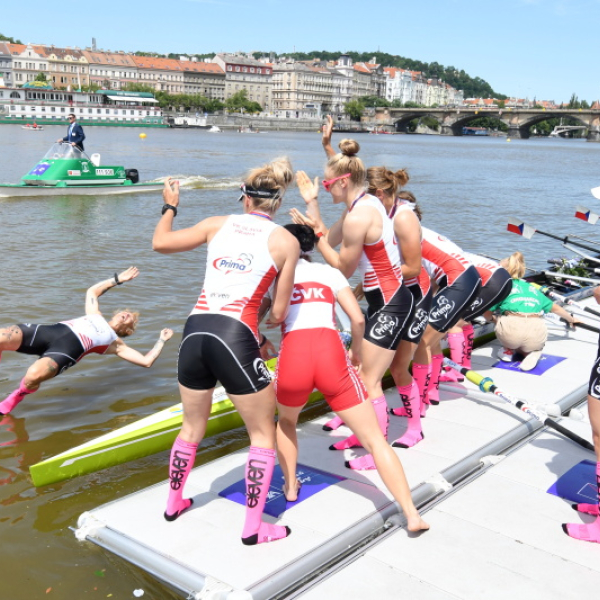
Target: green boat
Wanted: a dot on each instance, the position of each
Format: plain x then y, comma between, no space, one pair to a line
66,170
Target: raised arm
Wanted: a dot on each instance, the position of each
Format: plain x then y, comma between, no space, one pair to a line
122,350
167,241
326,139
93,293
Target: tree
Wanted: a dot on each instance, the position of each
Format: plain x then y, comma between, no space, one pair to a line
354,109
41,77
373,101
4,38
239,102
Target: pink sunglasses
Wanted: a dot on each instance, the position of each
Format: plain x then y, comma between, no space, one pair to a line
327,183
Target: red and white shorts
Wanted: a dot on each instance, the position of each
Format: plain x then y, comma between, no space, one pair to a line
316,358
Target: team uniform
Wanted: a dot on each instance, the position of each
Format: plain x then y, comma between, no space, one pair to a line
67,342
310,340
496,285
220,338
455,275
389,301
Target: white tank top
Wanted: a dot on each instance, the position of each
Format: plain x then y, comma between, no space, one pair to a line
93,331
312,305
239,269
400,206
379,264
441,257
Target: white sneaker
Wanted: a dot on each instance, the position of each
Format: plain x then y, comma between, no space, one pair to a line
505,354
531,360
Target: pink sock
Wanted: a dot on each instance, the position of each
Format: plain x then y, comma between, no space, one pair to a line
421,374
333,424
434,386
469,334
180,465
9,403
456,342
412,401
258,474
591,531
380,407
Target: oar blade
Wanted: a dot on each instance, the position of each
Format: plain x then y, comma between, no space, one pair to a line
520,228
585,214
596,192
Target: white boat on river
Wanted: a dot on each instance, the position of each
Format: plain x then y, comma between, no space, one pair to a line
480,478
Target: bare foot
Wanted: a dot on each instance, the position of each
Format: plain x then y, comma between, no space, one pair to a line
416,524
291,495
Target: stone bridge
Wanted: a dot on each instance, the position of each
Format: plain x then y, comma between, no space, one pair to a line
518,120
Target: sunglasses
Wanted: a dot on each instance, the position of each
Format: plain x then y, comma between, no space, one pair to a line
327,183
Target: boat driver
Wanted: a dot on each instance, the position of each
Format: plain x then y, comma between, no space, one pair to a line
75,135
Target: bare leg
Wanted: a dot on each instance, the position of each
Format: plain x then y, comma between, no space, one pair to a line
11,338
361,419
287,448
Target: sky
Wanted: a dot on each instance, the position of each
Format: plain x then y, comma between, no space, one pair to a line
543,49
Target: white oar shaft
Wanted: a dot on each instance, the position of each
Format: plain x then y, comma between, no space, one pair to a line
582,254
573,277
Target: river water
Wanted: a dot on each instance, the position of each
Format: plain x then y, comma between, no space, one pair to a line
53,249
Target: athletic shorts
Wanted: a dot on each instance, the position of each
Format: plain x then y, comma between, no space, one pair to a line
497,288
594,385
57,342
218,348
419,317
452,301
315,358
386,322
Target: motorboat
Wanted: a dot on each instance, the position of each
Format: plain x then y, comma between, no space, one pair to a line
67,170
214,129
34,127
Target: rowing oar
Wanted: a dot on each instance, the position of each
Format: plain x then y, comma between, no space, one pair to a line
564,300
596,192
527,231
573,277
585,214
486,384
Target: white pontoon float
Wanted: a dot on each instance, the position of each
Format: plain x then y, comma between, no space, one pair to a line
480,478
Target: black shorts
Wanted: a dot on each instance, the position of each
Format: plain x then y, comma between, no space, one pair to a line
594,384
419,317
497,288
57,342
452,301
386,323
218,348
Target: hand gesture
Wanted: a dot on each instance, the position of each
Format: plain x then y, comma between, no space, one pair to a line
166,335
171,192
128,274
268,350
326,139
309,190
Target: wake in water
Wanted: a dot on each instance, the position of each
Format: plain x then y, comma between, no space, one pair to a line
195,182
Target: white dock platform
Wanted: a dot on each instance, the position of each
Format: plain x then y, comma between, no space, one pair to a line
495,532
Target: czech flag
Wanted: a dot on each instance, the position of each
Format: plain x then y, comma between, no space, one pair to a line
585,214
520,228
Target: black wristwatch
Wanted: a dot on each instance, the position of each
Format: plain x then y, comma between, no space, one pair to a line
167,207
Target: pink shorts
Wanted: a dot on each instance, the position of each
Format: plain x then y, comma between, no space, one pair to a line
316,358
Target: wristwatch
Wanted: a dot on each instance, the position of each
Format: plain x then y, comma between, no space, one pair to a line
167,207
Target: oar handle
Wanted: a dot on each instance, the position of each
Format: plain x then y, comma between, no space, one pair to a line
584,326
566,240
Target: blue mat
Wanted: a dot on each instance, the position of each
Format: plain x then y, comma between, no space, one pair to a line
577,484
547,361
313,481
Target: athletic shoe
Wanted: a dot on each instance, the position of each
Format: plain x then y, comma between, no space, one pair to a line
505,354
531,360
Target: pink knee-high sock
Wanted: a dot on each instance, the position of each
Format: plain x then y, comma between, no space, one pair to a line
469,335
422,376
434,386
180,465
380,407
9,403
333,424
456,343
412,402
258,474
591,531
366,462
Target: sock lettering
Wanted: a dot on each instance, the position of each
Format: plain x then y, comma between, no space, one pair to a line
178,467
406,403
255,475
